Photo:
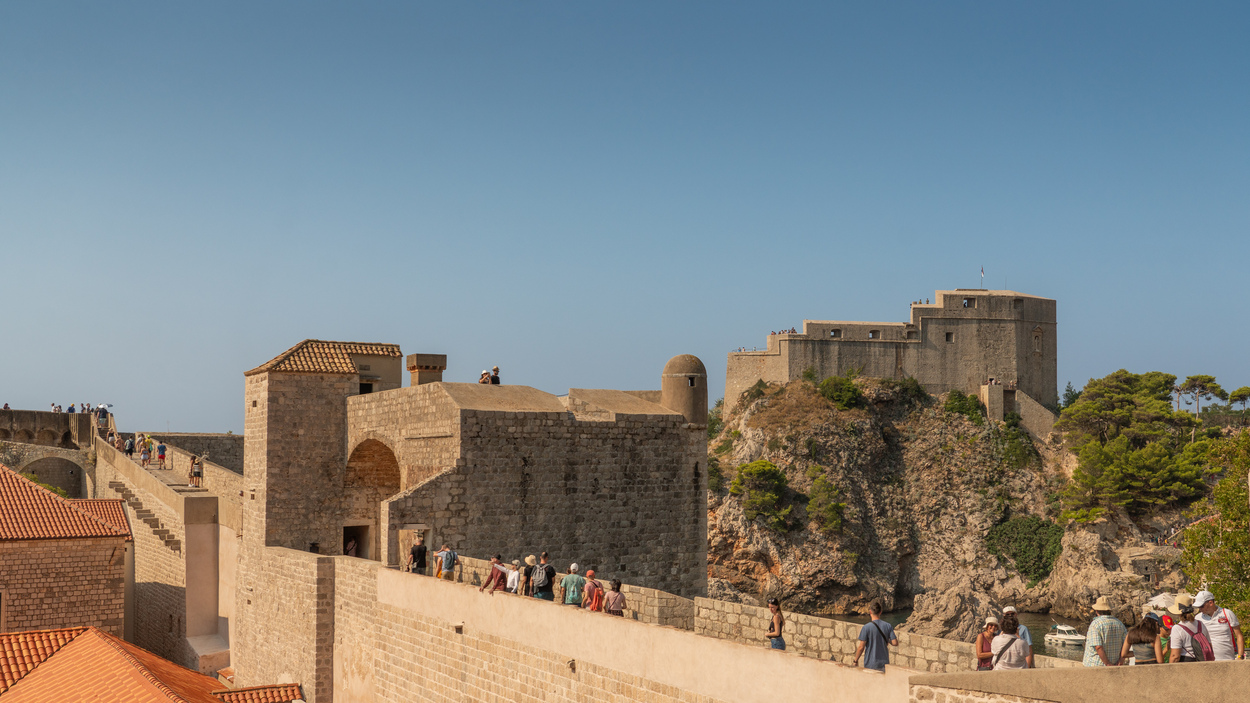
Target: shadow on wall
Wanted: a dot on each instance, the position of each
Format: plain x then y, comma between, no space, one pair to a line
161,620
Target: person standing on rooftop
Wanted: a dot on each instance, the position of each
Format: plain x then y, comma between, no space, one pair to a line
484,378
571,587
494,377
874,637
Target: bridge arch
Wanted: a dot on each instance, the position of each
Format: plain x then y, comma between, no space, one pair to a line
57,471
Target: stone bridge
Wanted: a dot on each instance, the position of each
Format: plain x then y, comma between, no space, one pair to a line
55,447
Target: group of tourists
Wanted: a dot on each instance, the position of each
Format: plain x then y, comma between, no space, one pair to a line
875,637
489,377
537,579
1194,628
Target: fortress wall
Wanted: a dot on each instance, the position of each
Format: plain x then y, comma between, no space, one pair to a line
89,576
419,424
224,483
285,607
520,649
225,450
825,638
69,469
745,368
1039,421
159,558
619,497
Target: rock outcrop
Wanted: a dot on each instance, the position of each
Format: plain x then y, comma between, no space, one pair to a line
922,487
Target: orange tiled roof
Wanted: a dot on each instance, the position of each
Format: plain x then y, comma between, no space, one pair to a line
319,356
30,511
110,510
89,665
22,651
277,693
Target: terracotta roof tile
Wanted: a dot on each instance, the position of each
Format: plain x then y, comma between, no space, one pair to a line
109,510
85,664
277,693
319,356
22,651
30,511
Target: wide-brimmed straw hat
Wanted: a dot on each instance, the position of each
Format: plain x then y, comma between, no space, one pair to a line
991,620
531,560
1184,604
1101,605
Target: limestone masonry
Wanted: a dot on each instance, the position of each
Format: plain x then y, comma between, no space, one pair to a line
962,341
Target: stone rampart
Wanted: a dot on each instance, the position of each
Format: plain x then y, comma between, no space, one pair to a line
826,638
225,450
67,469
218,480
65,430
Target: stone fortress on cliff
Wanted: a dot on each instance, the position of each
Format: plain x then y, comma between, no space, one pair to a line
998,344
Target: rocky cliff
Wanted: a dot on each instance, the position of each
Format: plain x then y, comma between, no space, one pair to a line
921,488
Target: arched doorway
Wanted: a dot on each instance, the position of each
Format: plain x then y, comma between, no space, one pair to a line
55,471
47,438
372,475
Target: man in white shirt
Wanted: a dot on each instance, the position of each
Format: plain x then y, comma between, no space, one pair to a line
1023,633
1223,628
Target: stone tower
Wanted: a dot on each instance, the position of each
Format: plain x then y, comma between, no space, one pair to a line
683,387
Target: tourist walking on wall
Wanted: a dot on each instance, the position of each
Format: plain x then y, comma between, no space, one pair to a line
130,448
874,637
1143,642
776,626
614,601
498,577
1190,640
571,587
494,376
197,471
447,561
592,593
1022,632
1223,627
1010,651
1105,637
160,455
145,455
514,576
416,557
527,576
985,640
542,579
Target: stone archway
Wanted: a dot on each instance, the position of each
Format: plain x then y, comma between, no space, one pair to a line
373,465
59,472
372,475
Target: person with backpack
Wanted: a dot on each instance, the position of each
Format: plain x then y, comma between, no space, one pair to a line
873,638
130,448
1190,642
592,593
1104,639
1010,649
447,561
1222,627
541,578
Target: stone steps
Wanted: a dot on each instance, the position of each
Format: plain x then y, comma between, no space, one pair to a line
146,516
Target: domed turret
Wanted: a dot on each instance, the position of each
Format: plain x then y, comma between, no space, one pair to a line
683,388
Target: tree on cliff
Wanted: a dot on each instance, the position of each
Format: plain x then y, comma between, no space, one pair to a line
1217,549
1241,395
1131,447
1202,387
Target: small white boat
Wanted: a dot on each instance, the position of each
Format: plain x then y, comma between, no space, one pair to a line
1060,635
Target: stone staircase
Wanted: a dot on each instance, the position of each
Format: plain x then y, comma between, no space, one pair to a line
148,517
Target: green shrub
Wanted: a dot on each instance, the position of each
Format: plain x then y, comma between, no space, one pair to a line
753,393
823,505
967,405
35,479
842,392
809,374
715,419
910,388
762,487
1217,550
1030,542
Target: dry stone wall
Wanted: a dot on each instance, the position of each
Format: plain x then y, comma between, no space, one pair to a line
826,638
55,583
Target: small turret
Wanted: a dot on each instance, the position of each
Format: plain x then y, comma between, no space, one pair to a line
683,388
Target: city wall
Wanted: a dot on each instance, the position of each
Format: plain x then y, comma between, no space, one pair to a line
67,469
1205,681
177,550
225,450
66,430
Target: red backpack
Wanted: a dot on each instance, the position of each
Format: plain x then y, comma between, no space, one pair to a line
1199,644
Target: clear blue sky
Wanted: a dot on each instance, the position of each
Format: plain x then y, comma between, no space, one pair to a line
577,192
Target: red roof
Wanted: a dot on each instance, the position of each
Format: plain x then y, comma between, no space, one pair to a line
320,356
90,665
276,693
109,510
30,511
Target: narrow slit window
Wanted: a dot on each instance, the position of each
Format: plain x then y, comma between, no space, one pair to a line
690,381
970,302
835,334
950,336
874,334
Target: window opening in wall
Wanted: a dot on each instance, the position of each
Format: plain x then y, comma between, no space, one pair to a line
950,336
366,388
1037,342
1018,303
836,334
356,542
874,334
253,403
314,547
970,302
690,381
911,334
